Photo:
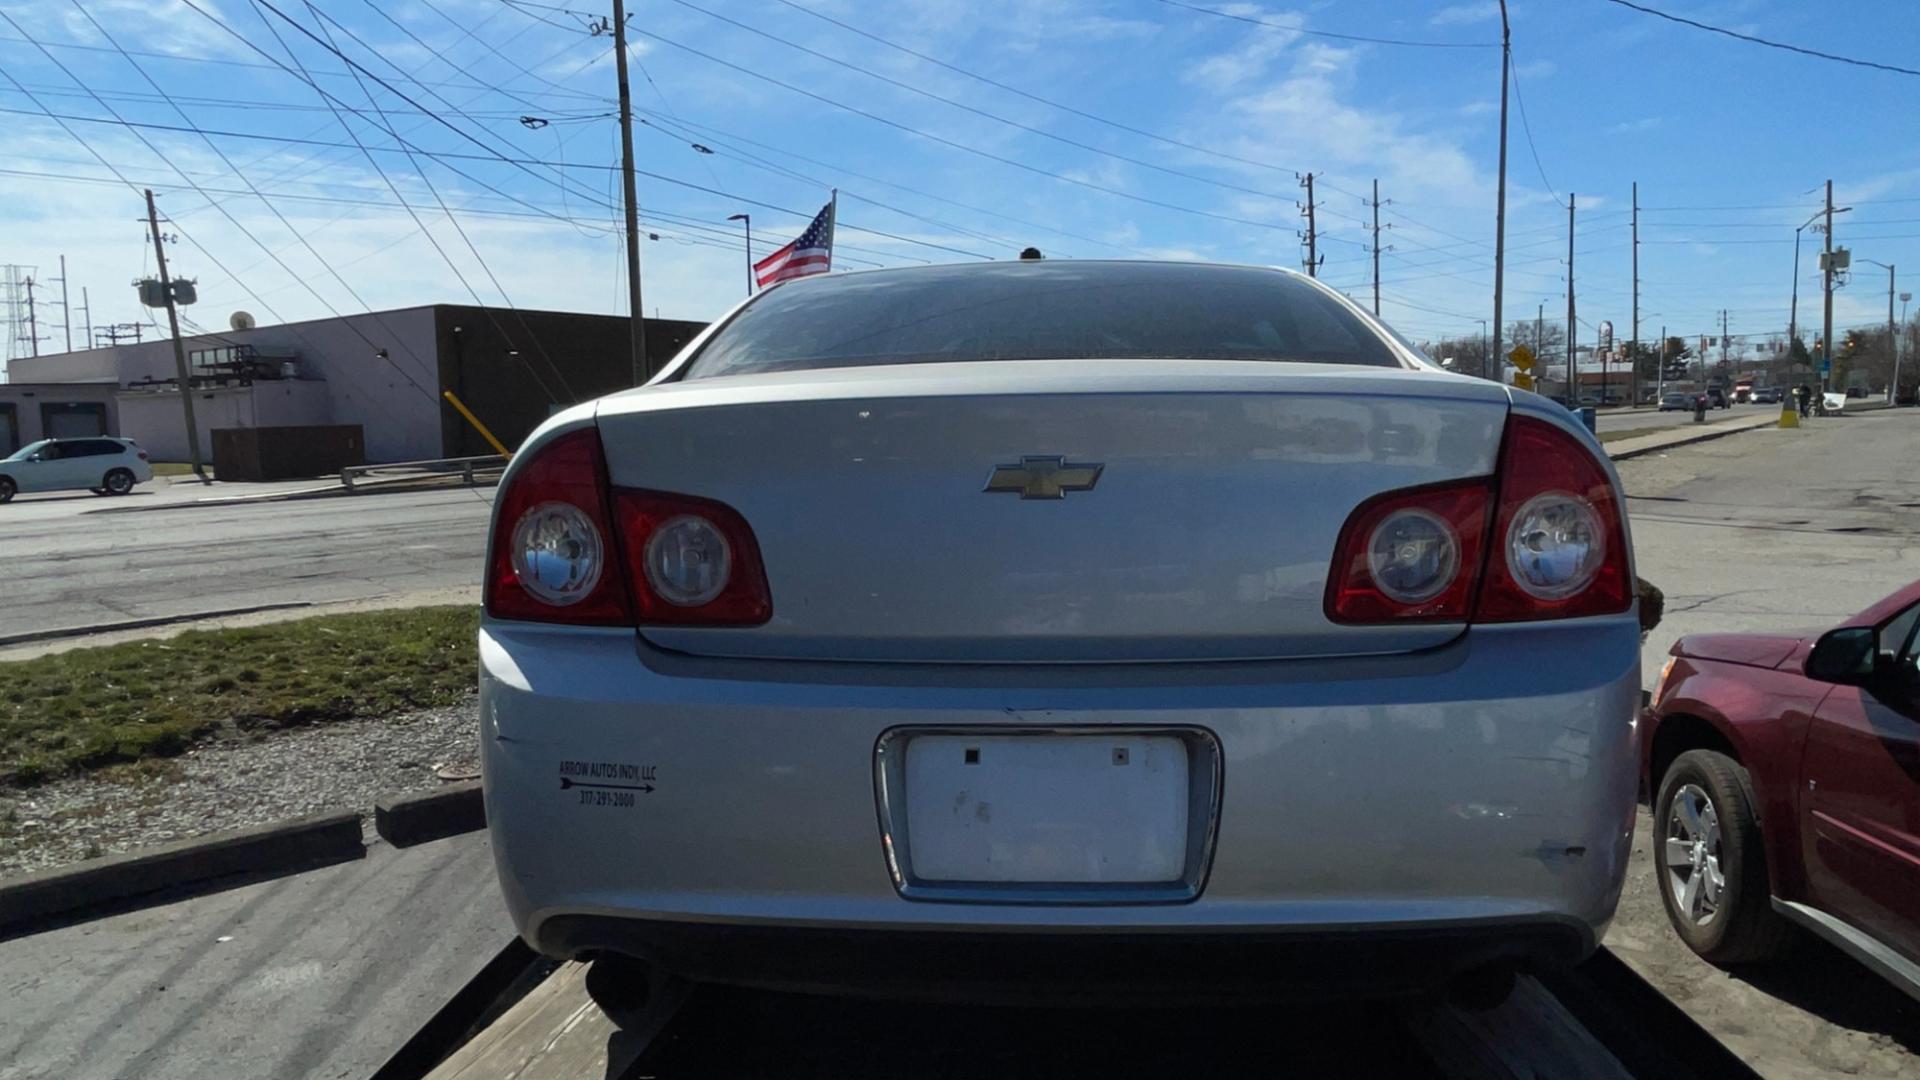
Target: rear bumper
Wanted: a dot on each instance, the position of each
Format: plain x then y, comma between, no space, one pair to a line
1153,968
1480,796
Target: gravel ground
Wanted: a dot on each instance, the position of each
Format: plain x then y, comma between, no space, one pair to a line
229,784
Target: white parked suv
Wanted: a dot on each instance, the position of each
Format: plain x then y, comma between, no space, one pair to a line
104,465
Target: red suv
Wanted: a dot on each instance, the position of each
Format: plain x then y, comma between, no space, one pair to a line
1785,772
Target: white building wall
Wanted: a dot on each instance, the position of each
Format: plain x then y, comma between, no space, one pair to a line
395,398
154,419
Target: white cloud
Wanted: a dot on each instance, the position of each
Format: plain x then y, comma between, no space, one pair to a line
1536,69
1252,56
1464,14
1645,123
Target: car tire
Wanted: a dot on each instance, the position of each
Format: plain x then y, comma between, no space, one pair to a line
1707,797
118,482
7,488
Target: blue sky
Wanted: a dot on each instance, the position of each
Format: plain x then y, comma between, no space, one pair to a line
1729,143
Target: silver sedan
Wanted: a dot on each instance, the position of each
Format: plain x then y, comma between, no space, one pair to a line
1061,623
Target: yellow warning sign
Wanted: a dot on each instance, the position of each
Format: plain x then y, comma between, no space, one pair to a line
1521,357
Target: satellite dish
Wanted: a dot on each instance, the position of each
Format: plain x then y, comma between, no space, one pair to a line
240,320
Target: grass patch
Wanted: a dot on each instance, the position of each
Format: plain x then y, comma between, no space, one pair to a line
176,468
93,708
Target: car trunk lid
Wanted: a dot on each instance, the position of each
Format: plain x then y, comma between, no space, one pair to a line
1042,511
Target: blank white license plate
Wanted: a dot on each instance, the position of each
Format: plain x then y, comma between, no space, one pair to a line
1070,809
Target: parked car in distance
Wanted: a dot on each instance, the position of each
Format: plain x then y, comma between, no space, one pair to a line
1785,772
1856,391
104,465
1766,395
1717,398
1678,402
1045,582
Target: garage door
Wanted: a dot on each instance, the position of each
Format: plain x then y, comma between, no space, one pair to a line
73,419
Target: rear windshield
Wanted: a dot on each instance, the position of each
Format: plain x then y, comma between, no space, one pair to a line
1040,311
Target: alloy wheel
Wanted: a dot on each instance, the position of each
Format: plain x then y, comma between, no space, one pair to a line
1696,882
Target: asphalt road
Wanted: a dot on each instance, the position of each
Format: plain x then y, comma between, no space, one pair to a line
67,565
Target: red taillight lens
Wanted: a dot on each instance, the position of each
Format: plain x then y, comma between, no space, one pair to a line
554,555
142,453
1556,548
1559,545
1411,555
692,562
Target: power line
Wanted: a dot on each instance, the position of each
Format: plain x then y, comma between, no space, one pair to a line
997,118
1802,50
1528,128
1082,113
964,148
224,61
707,132
1330,34
453,220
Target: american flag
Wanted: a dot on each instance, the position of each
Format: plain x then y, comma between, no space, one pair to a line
812,253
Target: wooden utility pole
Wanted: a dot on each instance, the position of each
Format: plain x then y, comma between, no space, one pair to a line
640,367
33,327
1500,207
1633,349
179,349
1573,377
86,313
66,309
1826,318
1376,248
1312,259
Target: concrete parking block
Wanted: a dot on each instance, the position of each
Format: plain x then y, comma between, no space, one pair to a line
406,820
282,847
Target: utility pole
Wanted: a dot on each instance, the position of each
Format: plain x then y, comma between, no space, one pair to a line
1500,206
86,313
1723,336
1573,377
1893,340
640,368
1312,258
1376,248
66,312
1633,349
33,327
1826,281
1539,329
179,349
1660,374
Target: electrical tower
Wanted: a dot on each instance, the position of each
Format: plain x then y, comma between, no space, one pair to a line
21,325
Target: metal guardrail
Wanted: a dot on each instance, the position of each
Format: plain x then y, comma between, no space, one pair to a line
467,468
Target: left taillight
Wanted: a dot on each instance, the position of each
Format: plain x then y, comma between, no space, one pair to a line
555,557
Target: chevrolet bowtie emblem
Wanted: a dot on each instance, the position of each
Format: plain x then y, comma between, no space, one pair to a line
1044,477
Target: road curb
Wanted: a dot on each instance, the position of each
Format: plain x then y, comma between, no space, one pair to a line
406,820
262,850
1717,431
143,624
364,487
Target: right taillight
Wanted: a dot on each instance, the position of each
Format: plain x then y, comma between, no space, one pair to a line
1556,547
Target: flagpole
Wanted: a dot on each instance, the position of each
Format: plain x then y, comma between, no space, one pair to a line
833,223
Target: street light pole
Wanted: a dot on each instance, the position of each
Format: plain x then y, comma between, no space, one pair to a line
1826,284
1893,342
1500,210
747,220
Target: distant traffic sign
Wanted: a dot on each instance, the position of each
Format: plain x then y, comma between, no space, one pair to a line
1521,357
